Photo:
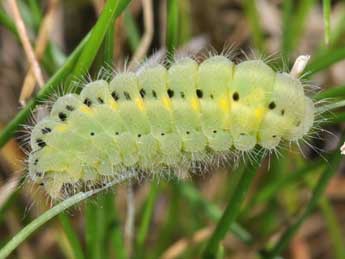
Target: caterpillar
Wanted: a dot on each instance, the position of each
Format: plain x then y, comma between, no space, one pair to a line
160,119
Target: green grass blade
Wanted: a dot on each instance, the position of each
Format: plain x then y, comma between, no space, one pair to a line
172,26
93,229
71,236
35,12
334,228
146,217
325,59
230,213
45,217
25,232
111,9
332,92
271,190
7,22
317,194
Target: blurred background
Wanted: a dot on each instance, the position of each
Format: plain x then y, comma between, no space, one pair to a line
174,219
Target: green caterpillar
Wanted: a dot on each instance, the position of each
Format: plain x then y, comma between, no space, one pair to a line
162,119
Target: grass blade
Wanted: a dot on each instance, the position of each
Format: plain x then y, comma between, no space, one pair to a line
334,228
230,213
172,26
71,236
57,209
146,217
317,193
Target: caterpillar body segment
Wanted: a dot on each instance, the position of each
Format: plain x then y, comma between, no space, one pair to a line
164,119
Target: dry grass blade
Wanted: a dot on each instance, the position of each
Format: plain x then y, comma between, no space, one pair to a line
41,44
24,38
146,40
179,247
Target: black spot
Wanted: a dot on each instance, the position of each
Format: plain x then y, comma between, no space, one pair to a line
69,108
162,134
114,95
139,135
36,161
62,116
127,96
235,96
214,131
242,134
187,132
272,105
211,96
274,136
170,93
182,95
100,100
87,102
199,93
282,112
46,130
38,174
154,94
92,133
41,184
142,93
116,133
41,143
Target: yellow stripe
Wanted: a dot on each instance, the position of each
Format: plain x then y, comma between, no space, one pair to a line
113,105
195,104
86,110
166,103
140,104
259,113
61,127
224,104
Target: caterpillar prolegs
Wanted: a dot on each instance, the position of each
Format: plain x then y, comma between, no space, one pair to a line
160,119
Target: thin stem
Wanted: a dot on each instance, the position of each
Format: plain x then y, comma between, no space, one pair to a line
230,213
46,216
